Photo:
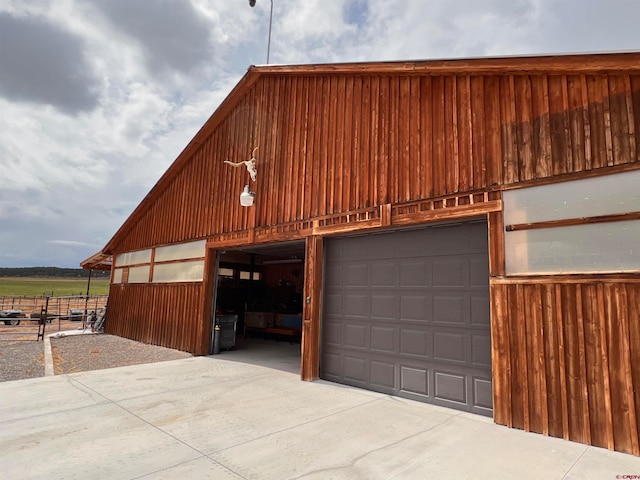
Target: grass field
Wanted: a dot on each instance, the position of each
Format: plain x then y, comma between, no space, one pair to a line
58,287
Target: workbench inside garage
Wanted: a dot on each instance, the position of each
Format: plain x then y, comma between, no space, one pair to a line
273,325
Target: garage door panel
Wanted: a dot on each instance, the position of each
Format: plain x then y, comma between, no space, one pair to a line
332,366
414,315
450,386
355,275
414,342
355,368
412,244
477,236
355,336
415,272
450,309
481,350
381,246
448,239
415,307
334,250
480,311
383,339
450,272
384,274
384,306
383,375
333,275
332,332
449,346
333,304
414,380
355,305
353,250
482,393
478,271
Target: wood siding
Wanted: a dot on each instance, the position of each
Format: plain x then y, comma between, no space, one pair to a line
566,359
355,147
311,311
165,315
338,143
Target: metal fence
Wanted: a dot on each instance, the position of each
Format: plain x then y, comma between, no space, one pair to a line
30,310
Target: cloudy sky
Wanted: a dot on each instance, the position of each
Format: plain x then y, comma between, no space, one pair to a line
98,97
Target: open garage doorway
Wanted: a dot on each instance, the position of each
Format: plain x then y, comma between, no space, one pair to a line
258,301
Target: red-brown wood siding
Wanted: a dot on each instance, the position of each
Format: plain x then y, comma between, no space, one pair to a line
165,315
330,144
363,142
567,359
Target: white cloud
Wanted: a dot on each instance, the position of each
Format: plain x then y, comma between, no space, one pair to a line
73,167
73,243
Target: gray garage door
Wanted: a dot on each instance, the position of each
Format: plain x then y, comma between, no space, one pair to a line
407,313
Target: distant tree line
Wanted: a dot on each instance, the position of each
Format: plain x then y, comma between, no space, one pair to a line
51,272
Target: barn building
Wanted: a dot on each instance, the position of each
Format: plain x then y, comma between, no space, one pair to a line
461,232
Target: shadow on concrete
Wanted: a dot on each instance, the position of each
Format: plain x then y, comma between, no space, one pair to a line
279,355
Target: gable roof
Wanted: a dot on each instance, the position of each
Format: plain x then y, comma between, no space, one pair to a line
98,261
591,63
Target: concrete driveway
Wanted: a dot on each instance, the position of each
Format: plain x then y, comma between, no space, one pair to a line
246,415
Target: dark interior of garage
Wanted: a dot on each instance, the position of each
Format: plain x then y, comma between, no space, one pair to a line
259,295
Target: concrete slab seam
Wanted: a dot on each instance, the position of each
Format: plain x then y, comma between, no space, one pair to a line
576,462
292,427
202,454
78,377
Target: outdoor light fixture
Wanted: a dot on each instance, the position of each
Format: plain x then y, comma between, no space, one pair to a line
246,197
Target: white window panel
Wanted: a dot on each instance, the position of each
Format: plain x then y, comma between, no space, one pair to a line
225,272
181,251
609,247
139,274
133,258
589,197
246,275
593,248
179,272
117,275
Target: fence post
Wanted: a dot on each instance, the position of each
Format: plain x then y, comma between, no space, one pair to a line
43,320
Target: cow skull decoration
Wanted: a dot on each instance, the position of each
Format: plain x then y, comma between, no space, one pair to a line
250,164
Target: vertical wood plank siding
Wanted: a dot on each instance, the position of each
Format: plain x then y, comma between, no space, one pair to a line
355,143
165,315
566,355
567,360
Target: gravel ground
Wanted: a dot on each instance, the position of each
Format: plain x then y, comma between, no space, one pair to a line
79,353
21,356
21,359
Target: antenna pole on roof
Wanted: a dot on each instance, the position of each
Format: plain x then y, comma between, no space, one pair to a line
269,41
252,3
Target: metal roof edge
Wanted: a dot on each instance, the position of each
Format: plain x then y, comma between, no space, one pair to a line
605,60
